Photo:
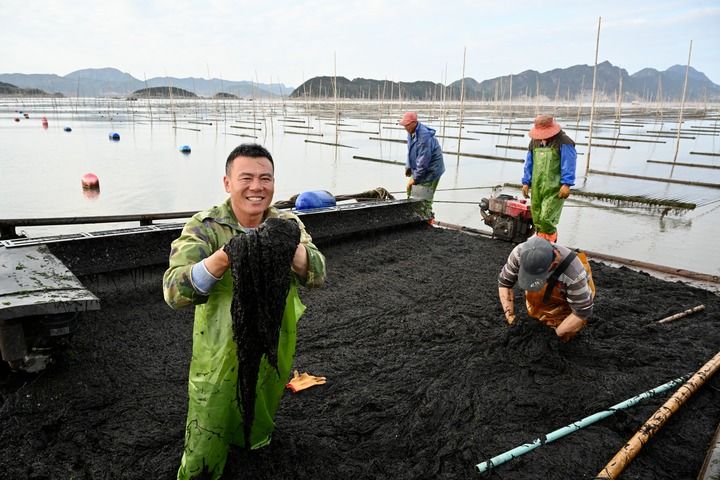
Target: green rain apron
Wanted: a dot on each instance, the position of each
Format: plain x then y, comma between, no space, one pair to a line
545,205
214,418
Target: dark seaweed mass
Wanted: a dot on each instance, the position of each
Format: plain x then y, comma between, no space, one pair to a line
260,263
425,380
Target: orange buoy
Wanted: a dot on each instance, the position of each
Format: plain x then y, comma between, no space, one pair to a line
90,181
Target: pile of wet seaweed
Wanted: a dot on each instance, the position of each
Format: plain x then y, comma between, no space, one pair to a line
424,378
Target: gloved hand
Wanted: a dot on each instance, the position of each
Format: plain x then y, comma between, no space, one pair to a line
408,172
564,191
410,183
526,191
301,382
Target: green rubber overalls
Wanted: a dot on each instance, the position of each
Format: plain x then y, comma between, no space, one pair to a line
214,418
545,205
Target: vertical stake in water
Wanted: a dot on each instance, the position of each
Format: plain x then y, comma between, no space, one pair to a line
335,95
337,120
510,113
462,103
682,106
147,95
592,101
444,105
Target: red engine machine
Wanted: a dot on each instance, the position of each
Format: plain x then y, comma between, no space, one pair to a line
509,218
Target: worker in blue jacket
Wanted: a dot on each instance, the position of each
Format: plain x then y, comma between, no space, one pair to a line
549,173
424,165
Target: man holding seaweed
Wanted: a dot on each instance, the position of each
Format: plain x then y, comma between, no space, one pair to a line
216,249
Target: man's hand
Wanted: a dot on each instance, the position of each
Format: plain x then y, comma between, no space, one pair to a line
570,327
217,263
564,191
410,183
300,261
526,191
408,172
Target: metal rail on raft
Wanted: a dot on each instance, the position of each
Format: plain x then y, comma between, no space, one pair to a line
663,269
8,226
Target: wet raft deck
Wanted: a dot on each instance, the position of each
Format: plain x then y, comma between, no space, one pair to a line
424,378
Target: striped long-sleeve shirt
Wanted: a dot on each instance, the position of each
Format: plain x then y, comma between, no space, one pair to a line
572,282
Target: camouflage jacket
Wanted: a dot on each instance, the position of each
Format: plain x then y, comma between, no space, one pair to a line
206,232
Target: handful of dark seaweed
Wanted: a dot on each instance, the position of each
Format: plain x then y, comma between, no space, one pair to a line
260,264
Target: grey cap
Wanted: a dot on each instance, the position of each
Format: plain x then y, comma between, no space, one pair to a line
535,260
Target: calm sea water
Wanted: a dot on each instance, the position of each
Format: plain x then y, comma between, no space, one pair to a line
144,172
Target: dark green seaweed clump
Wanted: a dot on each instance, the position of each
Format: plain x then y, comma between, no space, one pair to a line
260,264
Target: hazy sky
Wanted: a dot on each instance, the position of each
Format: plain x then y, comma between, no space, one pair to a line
288,41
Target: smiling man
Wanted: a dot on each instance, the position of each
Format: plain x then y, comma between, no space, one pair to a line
199,274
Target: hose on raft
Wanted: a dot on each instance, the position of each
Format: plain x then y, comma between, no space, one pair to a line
630,450
488,465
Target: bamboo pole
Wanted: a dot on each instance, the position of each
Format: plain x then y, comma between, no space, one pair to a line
682,104
335,95
680,272
656,179
709,154
592,101
147,96
685,164
329,143
579,110
630,450
510,110
684,314
462,100
444,105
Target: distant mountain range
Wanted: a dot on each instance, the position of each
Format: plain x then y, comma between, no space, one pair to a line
111,82
562,83
13,90
559,84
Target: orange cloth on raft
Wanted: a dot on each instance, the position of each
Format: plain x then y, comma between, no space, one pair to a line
557,308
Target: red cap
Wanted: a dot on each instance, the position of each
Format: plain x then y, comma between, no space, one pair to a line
408,118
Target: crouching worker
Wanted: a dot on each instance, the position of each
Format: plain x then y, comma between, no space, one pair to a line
218,247
558,284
